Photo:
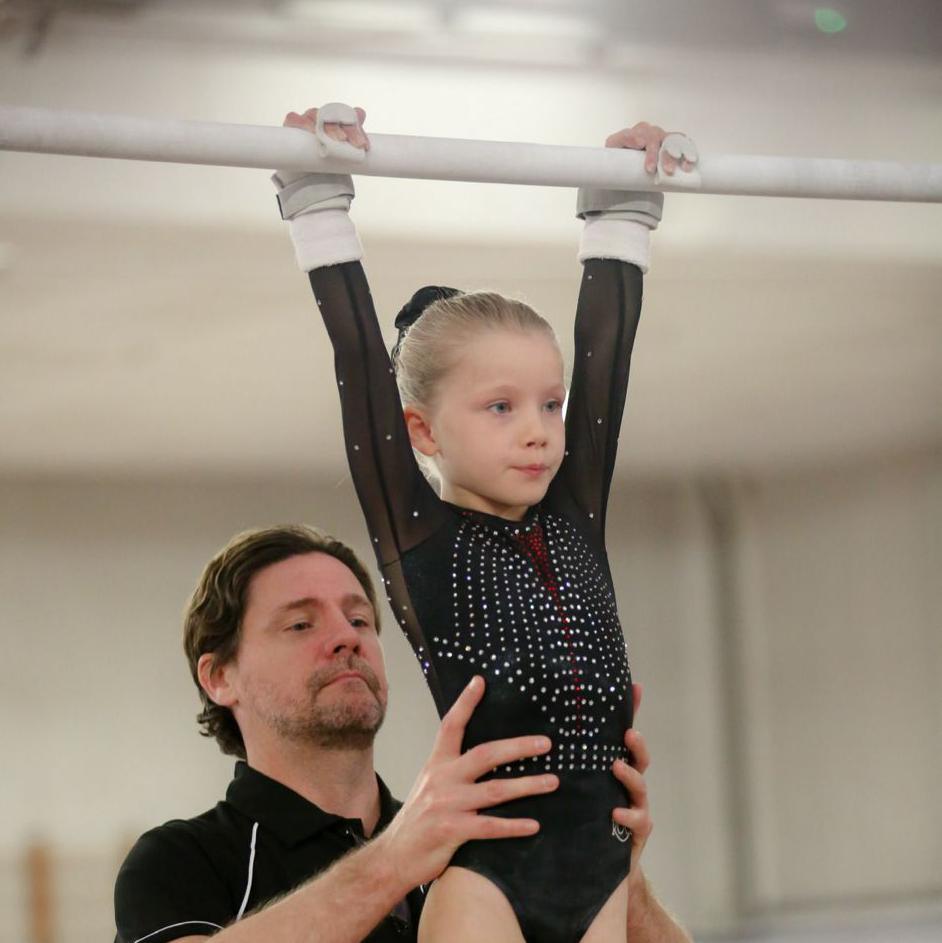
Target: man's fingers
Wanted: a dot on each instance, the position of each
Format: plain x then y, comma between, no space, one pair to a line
492,826
633,781
493,792
640,756
638,820
451,731
488,756
638,816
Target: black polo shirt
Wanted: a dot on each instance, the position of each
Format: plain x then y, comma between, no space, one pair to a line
194,877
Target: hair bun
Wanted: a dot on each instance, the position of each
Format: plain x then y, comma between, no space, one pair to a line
413,308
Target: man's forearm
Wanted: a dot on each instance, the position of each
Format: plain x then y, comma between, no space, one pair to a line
648,921
342,905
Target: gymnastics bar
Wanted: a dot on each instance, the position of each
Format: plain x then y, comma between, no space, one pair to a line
391,155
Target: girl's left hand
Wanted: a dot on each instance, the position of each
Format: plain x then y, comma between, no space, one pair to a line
648,138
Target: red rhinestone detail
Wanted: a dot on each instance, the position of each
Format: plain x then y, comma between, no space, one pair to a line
533,543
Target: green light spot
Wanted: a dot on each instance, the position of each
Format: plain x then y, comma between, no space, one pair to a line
829,21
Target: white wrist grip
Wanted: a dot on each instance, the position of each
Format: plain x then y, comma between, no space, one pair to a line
336,113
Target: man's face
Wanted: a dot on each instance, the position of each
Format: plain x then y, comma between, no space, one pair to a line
309,666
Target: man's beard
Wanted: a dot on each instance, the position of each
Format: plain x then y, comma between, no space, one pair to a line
350,723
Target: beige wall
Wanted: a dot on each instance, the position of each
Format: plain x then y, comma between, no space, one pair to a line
786,632
841,644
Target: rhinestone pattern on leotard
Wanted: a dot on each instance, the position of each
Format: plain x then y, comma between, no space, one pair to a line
533,613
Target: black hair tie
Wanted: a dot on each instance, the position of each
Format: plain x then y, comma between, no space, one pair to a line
412,310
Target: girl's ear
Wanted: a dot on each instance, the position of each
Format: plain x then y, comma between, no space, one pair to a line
420,431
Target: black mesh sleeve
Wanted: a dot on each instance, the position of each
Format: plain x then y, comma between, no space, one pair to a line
399,505
606,321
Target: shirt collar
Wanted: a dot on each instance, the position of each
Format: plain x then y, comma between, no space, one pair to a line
289,816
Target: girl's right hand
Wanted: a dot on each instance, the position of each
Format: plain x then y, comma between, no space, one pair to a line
648,138
352,134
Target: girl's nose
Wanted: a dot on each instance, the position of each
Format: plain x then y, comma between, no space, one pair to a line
535,433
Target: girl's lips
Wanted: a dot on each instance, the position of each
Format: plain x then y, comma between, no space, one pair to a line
532,470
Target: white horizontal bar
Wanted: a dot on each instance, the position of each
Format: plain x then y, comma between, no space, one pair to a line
392,155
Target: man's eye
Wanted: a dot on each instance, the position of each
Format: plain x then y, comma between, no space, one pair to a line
299,626
359,622
499,408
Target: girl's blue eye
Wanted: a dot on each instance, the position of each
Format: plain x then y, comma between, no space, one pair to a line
499,408
554,406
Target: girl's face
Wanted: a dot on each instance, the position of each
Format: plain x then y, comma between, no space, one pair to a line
496,429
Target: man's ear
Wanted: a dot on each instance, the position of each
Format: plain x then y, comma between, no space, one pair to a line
420,431
215,680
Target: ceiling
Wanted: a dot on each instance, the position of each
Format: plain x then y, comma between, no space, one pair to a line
151,319
558,33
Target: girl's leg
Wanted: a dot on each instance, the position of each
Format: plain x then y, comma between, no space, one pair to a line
465,907
611,921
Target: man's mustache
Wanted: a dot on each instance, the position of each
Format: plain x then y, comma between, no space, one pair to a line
324,676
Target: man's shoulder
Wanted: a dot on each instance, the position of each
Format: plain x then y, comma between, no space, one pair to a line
181,877
200,840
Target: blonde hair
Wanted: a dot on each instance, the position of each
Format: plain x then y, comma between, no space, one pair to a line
432,345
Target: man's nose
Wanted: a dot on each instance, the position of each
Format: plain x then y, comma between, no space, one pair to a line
341,636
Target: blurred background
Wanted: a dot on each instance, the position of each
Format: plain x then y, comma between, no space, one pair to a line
776,524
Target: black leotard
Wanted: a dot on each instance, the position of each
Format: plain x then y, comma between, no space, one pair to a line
529,605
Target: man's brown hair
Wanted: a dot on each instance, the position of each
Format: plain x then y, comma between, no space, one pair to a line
213,619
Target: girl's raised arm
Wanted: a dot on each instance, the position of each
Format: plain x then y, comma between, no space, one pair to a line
397,502
615,253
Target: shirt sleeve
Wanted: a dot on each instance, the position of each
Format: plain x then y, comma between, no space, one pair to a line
166,889
607,316
400,507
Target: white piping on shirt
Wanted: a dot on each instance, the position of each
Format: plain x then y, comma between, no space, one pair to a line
170,926
248,886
